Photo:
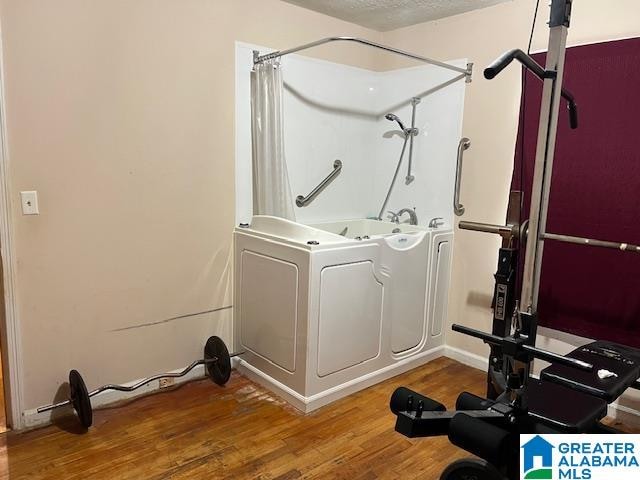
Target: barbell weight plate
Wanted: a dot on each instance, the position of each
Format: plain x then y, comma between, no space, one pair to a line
474,468
80,398
220,371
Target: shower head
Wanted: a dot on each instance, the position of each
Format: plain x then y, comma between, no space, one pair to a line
394,118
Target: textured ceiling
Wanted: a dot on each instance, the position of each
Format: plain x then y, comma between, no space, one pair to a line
386,15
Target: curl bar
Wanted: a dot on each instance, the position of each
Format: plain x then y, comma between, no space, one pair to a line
217,362
530,64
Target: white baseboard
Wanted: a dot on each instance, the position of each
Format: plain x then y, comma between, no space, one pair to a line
628,416
466,358
313,402
31,418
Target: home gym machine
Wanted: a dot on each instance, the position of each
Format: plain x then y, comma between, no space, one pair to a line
217,363
572,394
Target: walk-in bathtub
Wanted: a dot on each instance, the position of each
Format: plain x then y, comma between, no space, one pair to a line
327,309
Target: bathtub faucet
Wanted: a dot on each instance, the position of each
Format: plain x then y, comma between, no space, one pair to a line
436,222
413,217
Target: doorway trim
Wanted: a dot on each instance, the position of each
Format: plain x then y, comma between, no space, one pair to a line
10,329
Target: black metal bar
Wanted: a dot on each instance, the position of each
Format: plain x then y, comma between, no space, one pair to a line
556,358
535,352
435,424
534,67
472,332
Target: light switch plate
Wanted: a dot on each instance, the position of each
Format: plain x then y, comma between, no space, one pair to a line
30,203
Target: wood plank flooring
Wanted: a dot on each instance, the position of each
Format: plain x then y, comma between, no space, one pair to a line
202,431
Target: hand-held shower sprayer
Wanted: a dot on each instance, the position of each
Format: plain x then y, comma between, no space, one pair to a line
392,117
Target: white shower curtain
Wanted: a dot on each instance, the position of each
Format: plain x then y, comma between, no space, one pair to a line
271,190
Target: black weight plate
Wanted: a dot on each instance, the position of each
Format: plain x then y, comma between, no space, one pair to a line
220,371
80,398
471,468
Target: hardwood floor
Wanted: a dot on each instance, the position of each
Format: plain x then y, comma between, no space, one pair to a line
202,431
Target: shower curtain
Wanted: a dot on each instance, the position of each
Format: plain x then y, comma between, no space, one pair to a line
271,190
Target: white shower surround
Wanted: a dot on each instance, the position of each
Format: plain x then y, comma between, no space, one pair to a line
292,299
341,116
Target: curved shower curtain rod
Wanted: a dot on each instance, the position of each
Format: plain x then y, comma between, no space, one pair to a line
257,58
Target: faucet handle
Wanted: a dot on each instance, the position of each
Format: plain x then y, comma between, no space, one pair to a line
393,216
436,222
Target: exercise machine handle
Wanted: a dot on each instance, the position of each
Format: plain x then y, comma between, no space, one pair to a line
573,108
472,332
535,352
534,67
505,59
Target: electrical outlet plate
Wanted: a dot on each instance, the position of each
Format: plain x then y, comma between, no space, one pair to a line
29,203
166,382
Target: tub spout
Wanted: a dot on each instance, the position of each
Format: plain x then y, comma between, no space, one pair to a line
413,216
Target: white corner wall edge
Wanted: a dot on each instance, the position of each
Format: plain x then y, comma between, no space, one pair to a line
33,419
308,404
11,336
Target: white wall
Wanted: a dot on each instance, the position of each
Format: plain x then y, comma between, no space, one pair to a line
335,111
121,115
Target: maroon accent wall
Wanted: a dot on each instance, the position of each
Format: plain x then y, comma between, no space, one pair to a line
595,193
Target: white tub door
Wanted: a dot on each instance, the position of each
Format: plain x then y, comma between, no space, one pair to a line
350,316
405,260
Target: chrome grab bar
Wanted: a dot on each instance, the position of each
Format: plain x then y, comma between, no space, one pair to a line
458,208
302,201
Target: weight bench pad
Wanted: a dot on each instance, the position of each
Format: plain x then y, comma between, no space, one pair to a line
563,408
622,360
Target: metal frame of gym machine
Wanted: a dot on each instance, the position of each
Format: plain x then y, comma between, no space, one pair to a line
505,304
486,426
532,231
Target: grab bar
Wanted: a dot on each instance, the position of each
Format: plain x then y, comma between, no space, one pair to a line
302,201
463,145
